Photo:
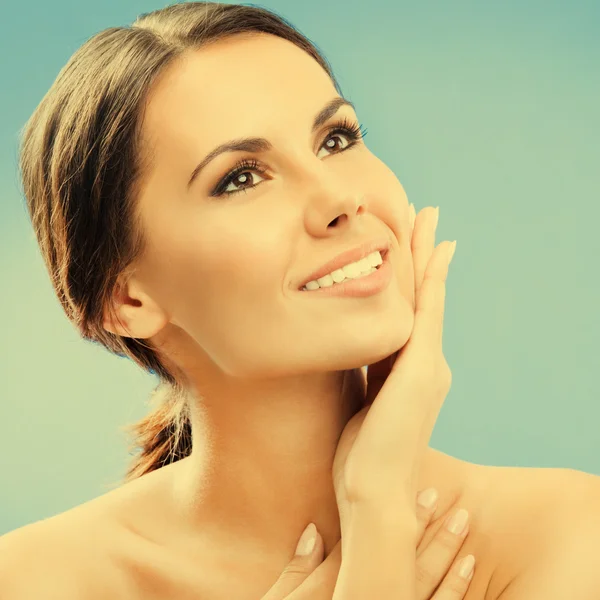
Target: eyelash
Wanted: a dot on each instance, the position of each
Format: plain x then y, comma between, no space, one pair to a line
353,131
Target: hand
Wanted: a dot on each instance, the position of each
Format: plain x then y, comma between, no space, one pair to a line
312,578
380,450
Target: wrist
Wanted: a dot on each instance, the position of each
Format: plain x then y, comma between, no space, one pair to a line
378,553
383,518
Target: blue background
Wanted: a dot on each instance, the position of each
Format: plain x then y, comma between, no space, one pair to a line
489,110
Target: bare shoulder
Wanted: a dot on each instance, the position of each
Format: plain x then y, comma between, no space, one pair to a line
36,562
540,517
574,516
556,499
65,556
567,565
115,546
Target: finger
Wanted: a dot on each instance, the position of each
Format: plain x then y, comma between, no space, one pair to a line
457,581
426,505
412,215
434,561
429,312
308,556
423,242
320,585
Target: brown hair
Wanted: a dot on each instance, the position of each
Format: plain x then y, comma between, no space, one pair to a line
81,164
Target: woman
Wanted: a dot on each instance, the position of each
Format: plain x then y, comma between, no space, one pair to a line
155,254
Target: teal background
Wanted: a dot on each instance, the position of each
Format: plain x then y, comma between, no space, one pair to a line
488,110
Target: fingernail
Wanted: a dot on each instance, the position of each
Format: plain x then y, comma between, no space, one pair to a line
307,540
458,522
451,251
427,498
436,217
466,567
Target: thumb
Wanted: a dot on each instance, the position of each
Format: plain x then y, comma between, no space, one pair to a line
308,556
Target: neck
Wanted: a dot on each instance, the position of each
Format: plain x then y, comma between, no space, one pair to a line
262,456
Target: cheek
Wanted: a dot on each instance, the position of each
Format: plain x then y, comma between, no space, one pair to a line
221,263
177,262
245,252
387,200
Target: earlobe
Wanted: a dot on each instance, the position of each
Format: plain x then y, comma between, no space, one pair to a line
135,314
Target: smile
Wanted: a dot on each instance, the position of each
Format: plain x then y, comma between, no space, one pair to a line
354,270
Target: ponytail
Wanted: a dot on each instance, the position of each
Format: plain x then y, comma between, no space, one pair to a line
164,435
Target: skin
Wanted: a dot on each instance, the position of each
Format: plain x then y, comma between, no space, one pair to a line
275,373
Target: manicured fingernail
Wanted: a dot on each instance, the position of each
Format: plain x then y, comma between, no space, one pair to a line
436,217
466,567
306,543
427,498
458,522
451,251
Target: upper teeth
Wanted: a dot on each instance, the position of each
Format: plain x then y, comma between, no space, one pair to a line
350,271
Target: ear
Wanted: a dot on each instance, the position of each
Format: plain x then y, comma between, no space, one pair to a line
141,317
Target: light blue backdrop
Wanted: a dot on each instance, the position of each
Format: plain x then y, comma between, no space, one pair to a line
489,110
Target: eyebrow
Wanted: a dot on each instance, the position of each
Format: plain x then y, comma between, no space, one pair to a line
259,144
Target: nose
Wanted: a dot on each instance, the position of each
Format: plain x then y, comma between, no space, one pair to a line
335,211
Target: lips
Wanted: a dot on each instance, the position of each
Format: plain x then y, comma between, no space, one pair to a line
349,256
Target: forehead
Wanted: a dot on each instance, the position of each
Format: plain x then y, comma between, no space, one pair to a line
235,87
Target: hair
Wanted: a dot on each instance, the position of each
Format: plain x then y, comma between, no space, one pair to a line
81,163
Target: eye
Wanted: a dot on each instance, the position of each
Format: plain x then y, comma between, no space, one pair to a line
242,176
330,143
241,180
352,131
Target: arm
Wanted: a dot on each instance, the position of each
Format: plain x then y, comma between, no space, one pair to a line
378,555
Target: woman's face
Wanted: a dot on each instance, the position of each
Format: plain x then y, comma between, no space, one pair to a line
225,269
